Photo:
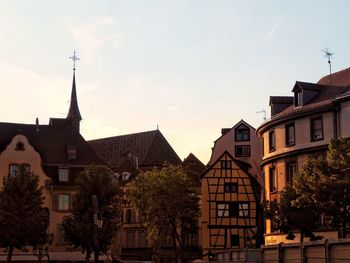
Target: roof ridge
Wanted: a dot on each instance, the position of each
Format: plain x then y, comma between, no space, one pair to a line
122,135
339,72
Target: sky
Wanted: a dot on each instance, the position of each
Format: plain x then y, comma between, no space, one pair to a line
190,67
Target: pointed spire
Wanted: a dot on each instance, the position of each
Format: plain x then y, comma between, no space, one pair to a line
74,113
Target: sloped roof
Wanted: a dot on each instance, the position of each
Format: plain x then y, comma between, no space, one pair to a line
281,100
308,86
51,141
150,148
194,168
242,165
74,112
226,130
339,78
326,96
193,164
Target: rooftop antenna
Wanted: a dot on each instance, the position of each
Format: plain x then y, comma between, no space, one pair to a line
264,112
328,54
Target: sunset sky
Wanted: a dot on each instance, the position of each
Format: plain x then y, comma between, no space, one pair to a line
191,67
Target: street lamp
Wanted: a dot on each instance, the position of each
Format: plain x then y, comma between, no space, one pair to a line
41,248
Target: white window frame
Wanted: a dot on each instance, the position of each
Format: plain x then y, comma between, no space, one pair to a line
63,175
63,202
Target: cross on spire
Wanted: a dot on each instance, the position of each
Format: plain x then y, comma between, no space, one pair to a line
74,58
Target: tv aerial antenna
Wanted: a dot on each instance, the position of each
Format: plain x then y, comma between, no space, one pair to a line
328,54
263,111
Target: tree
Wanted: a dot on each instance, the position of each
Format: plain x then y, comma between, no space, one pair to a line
320,188
23,220
83,228
287,217
167,205
325,182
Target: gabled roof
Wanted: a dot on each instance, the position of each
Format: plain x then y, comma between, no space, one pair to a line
193,164
281,100
226,130
340,78
194,167
326,96
307,86
242,165
51,141
148,149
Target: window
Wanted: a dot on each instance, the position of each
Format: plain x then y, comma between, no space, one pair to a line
234,240
142,242
226,164
125,176
230,187
71,152
130,239
15,169
60,234
273,179
298,98
242,150
223,209
272,141
240,209
130,216
63,174
316,130
19,146
243,209
290,134
242,133
291,169
63,202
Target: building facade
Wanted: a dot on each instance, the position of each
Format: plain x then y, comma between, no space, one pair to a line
128,155
230,206
302,125
243,144
57,153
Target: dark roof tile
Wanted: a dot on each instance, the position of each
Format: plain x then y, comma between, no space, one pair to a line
51,141
150,148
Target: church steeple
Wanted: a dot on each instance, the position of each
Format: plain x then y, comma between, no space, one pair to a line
74,113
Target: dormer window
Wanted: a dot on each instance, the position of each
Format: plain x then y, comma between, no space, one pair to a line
298,98
242,133
71,153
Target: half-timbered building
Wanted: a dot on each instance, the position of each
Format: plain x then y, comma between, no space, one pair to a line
230,205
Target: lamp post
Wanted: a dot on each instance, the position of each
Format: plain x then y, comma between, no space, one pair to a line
41,249
97,222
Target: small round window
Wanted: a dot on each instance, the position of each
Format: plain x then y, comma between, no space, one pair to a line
19,146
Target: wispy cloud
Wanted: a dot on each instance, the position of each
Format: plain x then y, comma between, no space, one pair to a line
272,31
276,26
91,36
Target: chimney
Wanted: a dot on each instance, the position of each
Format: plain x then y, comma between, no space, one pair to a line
37,124
225,130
